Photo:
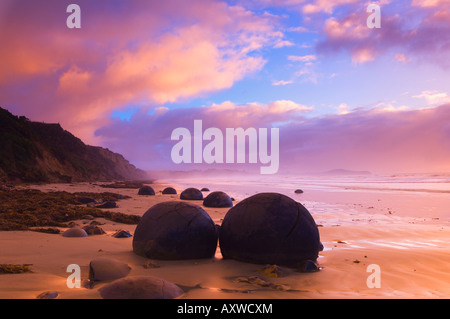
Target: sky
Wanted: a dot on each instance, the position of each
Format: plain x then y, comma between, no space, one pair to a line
342,95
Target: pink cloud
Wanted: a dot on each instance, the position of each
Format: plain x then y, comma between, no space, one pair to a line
140,52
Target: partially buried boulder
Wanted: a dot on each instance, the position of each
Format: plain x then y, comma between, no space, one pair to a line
94,230
169,191
175,230
146,190
75,232
218,199
102,268
140,287
191,194
269,228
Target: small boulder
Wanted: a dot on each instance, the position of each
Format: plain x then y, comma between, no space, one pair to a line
146,190
102,268
191,194
94,230
298,191
169,191
175,230
75,232
140,287
205,189
122,234
48,295
218,199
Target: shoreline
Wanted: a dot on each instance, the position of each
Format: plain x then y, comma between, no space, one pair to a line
413,256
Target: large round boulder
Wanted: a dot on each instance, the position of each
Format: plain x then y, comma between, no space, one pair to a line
269,228
146,190
217,199
191,194
175,230
140,287
169,191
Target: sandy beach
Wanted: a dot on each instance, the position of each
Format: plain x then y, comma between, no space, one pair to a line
411,251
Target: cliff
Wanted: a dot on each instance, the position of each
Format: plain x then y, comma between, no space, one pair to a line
39,152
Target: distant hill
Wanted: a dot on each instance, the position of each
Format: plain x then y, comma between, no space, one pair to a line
346,172
39,152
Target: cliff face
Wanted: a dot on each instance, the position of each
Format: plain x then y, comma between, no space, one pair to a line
39,152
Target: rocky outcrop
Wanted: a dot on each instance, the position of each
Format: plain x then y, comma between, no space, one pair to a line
40,152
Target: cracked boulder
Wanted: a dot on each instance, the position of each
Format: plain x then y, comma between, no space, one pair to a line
269,228
175,230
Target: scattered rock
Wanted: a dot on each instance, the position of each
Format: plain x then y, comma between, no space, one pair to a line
75,232
169,191
48,295
140,287
89,217
175,230
298,191
102,268
86,200
308,266
146,190
108,204
122,234
191,194
205,189
93,230
217,199
269,228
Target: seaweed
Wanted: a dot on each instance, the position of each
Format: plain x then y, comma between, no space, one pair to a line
14,269
22,209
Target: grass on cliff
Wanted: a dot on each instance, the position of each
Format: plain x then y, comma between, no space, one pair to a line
22,209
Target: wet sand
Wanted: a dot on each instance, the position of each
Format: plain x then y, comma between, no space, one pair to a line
413,253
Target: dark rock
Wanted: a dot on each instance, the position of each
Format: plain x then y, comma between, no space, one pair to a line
191,194
298,191
308,266
122,234
75,232
269,228
140,287
146,190
48,295
94,230
175,230
108,204
86,200
218,199
102,268
205,189
169,191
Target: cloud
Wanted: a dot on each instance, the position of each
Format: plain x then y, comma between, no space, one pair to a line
378,139
304,58
130,52
434,98
281,82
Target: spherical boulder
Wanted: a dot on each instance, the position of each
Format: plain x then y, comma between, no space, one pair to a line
191,194
104,268
269,228
217,199
169,191
75,232
174,231
146,190
140,287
